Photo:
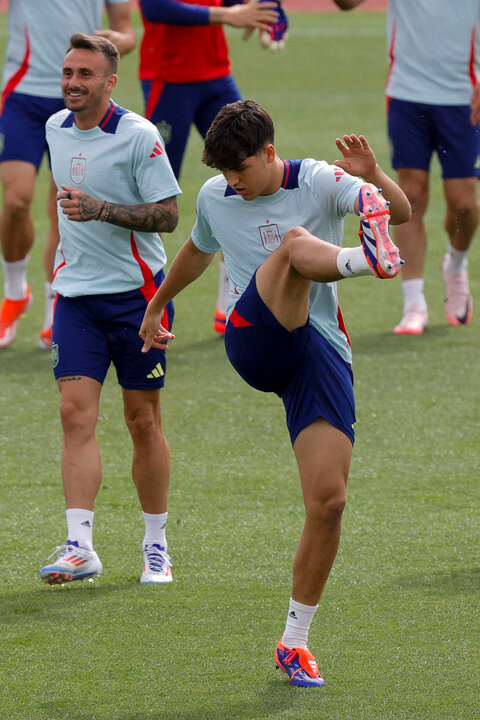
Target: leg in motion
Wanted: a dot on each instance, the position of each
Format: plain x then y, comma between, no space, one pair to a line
151,475
17,236
82,476
323,455
461,221
411,239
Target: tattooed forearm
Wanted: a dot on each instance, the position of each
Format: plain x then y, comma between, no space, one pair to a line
161,216
88,207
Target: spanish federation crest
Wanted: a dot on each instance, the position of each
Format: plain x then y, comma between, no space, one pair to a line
165,130
77,170
55,357
270,236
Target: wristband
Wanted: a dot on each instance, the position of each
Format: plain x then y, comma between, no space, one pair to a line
105,212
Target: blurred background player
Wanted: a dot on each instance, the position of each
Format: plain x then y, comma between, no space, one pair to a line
109,263
433,105
38,35
280,226
186,73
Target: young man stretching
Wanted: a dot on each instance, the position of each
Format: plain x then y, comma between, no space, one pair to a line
279,224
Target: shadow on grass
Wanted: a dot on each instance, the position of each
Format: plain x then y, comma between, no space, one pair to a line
19,361
390,344
275,698
443,583
32,604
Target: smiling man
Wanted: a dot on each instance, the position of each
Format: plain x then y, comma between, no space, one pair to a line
117,193
38,36
279,224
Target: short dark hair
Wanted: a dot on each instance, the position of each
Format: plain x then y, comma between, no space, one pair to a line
240,130
95,43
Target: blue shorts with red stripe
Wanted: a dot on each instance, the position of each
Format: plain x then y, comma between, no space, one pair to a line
174,107
417,130
302,367
92,331
22,125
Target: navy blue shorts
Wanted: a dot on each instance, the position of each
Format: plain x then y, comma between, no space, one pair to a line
92,331
302,367
22,125
417,130
174,107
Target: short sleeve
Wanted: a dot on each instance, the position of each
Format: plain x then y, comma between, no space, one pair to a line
151,167
333,186
202,233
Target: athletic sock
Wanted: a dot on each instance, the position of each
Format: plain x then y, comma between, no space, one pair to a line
413,294
456,261
299,619
15,279
223,289
351,262
155,533
80,527
49,303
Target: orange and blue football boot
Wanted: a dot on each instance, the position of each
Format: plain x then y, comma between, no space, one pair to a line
300,666
10,313
219,322
381,253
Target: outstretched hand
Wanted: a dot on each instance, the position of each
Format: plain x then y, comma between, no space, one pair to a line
152,331
359,158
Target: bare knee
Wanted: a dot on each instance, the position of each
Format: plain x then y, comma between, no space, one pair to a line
464,206
293,235
16,206
143,428
77,420
327,510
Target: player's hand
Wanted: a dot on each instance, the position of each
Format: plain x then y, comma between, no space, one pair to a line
122,41
152,331
255,14
275,35
274,39
359,158
77,205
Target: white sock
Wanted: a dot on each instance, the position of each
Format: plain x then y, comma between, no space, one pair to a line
80,527
351,262
15,279
155,529
223,289
456,260
49,302
413,294
299,619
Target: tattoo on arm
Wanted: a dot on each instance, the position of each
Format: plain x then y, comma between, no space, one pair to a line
88,207
159,216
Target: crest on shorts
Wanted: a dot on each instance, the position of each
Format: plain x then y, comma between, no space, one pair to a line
165,130
55,356
2,142
270,236
77,169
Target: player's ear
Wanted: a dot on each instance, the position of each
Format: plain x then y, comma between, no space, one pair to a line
112,81
270,153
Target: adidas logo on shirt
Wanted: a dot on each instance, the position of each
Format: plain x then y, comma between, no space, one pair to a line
157,150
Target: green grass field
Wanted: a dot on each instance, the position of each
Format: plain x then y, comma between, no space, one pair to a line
396,634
